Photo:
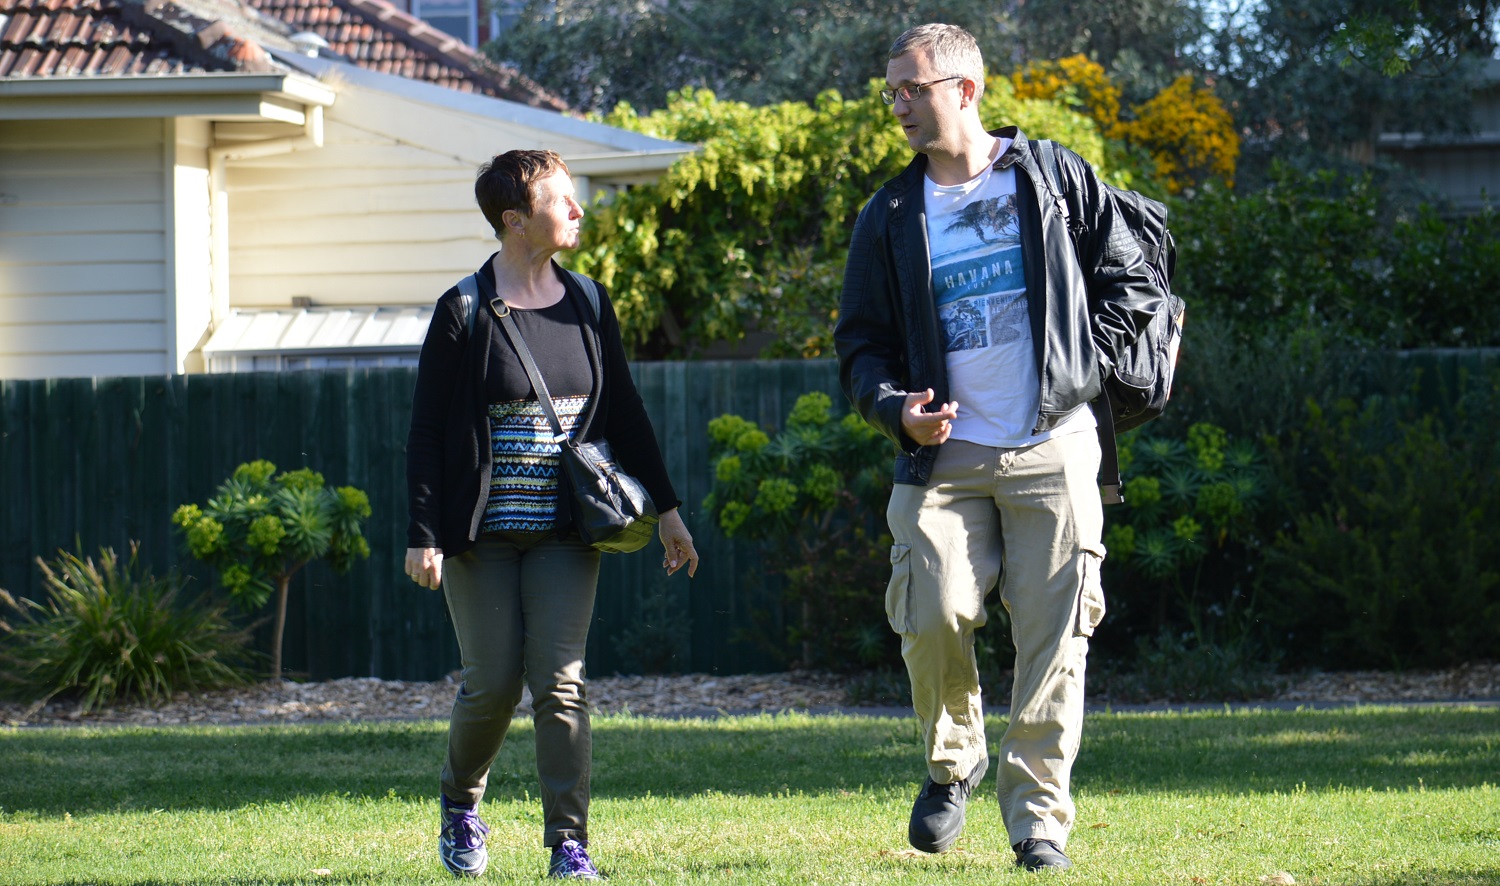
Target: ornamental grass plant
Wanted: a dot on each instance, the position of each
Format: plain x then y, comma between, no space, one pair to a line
110,630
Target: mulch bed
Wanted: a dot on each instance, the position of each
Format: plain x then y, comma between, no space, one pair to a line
367,698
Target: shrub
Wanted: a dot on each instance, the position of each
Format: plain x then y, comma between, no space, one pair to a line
261,528
1331,252
1389,562
1179,546
653,642
1182,666
815,493
109,631
750,233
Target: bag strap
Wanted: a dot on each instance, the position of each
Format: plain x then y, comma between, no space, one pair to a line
538,384
469,290
1109,452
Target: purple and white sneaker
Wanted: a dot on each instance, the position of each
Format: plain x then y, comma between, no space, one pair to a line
461,842
570,861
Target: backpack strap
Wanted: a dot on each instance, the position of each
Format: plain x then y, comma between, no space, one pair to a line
1045,151
1109,453
590,289
468,301
468,296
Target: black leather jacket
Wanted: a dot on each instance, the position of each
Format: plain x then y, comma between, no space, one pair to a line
888,337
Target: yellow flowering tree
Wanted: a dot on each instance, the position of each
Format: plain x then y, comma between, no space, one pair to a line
1189,134
1185,130
1077,79
261,528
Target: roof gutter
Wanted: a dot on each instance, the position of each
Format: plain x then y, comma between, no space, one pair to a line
274,97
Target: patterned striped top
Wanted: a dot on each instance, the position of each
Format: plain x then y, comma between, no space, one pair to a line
523,482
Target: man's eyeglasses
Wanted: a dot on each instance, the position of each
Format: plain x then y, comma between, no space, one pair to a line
910,92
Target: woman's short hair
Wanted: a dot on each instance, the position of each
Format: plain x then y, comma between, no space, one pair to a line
508,181
954,51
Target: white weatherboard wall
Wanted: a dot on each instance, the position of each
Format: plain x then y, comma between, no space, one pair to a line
374,217
83,281
383,213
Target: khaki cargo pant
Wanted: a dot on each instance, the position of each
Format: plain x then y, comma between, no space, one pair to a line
1029,519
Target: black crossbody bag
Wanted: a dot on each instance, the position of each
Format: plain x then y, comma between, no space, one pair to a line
611,509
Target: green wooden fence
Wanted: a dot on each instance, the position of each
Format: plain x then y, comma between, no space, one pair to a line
87,463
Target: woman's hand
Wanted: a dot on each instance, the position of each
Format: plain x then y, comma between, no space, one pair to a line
677,544
425,566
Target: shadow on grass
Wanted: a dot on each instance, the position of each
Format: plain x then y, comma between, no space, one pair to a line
51,771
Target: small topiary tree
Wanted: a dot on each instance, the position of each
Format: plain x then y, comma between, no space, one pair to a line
261,528
815,493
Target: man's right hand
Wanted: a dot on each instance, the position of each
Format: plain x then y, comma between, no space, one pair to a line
927,428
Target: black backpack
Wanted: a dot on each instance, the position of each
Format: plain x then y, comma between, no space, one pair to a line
1138,389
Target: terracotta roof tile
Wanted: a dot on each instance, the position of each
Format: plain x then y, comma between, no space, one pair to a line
61,38
97,38
374,34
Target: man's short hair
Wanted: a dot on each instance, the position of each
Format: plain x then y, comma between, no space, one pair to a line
508,181
953,50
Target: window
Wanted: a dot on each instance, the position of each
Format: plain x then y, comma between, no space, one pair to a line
459,18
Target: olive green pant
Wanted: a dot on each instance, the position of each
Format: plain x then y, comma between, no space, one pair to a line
521,606
1029,520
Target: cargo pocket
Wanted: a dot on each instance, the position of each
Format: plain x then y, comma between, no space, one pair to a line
898,592
1090,594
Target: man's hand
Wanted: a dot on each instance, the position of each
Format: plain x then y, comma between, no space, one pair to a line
927,428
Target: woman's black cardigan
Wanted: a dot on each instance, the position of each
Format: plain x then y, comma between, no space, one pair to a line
448,450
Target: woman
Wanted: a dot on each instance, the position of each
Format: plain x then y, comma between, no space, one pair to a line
489,520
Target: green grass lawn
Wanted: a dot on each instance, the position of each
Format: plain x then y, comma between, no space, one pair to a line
1366,797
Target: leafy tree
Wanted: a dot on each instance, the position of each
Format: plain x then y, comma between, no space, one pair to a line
1420,38
1143,44
1309,83
750,233
598,53
261,528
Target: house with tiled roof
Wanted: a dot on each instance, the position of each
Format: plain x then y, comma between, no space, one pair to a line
195,185
378,36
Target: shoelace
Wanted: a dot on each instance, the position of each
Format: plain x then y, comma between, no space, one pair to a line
467,827
578,860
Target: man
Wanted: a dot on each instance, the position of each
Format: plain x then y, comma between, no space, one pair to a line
973,334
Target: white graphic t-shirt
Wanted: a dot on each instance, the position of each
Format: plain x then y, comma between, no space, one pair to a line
979,282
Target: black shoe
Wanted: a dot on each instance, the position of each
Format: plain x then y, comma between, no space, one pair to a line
1034,855
937,818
